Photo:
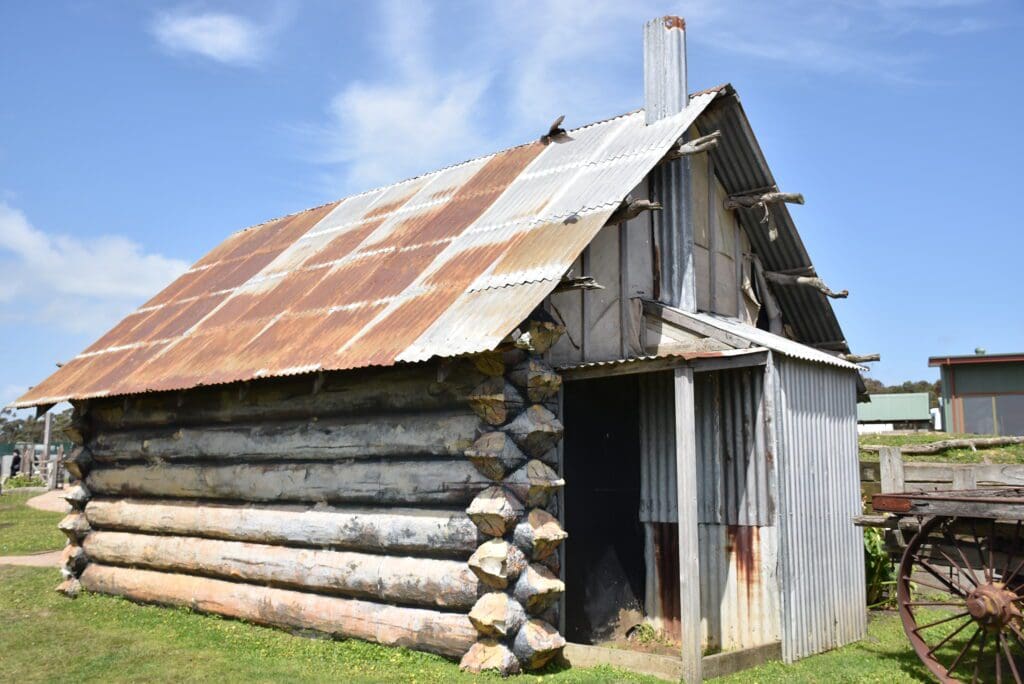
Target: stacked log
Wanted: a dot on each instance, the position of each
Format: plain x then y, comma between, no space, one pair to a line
75,525
516,454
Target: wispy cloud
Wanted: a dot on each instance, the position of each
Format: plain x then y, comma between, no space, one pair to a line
220,36
75,285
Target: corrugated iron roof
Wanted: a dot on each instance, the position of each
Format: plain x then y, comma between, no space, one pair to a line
439,265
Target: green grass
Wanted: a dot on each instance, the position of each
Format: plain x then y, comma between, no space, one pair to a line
1008,454
100,638
26,530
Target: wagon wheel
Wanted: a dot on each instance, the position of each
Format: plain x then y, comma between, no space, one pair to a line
960,592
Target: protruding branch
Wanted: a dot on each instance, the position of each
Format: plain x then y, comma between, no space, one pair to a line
805,281
631,208
860,358
696,146
750,201
579,283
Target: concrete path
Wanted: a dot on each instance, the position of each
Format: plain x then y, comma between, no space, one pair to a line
50,501
43,559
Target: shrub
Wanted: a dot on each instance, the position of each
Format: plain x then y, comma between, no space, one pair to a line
23,480
880,573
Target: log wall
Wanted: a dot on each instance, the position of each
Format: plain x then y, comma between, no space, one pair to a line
407,506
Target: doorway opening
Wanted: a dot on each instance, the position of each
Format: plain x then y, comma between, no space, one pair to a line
604,561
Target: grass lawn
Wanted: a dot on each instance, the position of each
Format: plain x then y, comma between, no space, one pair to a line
26,530
1013,453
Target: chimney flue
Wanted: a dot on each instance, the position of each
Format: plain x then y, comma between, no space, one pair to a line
665,90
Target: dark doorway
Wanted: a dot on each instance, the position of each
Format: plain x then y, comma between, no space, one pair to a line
604,560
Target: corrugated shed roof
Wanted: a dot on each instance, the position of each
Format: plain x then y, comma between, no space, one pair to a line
440,265
763,338
885,408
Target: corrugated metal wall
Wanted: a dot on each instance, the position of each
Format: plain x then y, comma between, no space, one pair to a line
738,548
820,550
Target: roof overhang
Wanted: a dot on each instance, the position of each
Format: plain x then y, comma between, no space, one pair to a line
974,359
699,361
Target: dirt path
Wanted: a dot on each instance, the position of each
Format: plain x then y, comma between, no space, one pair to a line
50,501
44,559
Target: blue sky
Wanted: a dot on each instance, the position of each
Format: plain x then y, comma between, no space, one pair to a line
135,136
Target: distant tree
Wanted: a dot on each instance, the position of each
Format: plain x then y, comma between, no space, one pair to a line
14,428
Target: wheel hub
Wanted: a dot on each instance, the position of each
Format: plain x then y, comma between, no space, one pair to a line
992,605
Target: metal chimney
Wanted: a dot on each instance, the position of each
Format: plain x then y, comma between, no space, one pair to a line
665,95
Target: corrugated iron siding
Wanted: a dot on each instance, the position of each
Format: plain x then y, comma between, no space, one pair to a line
658,496
733,464
820,550
739,586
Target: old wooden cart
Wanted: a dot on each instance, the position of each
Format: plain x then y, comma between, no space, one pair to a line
960,583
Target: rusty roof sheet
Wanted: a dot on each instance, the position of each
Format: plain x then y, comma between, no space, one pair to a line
440,265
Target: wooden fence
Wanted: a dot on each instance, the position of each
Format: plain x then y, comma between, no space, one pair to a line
892,474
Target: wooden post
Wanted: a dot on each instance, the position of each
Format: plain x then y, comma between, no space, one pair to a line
51,464
890,462
686,484
965,477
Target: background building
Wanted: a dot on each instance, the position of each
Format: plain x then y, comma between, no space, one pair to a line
886,412
982,393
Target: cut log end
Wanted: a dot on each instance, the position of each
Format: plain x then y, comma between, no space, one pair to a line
496,400
490,654
79,462
538,589
537,643
495,455
496,614
536,430
497,563
535,483
69,587
73,559
490,363
537,379
494,511
75,527
540,534
78,496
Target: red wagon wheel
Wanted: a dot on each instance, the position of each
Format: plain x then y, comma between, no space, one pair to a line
960,592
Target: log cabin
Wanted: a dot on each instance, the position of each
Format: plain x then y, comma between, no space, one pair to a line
537,398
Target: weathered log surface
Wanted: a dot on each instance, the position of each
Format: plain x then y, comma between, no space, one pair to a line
77,496
536,430
497,615
403,580
495,511
536,644
392,482
384,530
73,559
496,400
495,455
490,654
79,462
540,534
497,563
415,388
401,435
74,526
449,634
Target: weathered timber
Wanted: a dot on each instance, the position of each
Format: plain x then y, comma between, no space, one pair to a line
536,430
494,511
496,400
386,530
749,201
861,358
413,389
537,643
77,496
395,435
537,588
497,563
394,482
69,587
943,445
73,559
449,634
805,281
79,462
74,526
489,654
537,378
695,146
403,580
631,208
490,363
496,614
540,332
495,455
539,534
534,483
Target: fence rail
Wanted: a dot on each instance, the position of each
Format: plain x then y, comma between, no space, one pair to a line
892,474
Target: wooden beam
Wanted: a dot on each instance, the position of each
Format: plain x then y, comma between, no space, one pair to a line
805,281
683,320
861,358
890,464
751,200
689,551
756,357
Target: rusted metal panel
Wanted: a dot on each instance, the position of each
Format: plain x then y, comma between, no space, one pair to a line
820,550
396,274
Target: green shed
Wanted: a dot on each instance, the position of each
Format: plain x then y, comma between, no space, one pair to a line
905,411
